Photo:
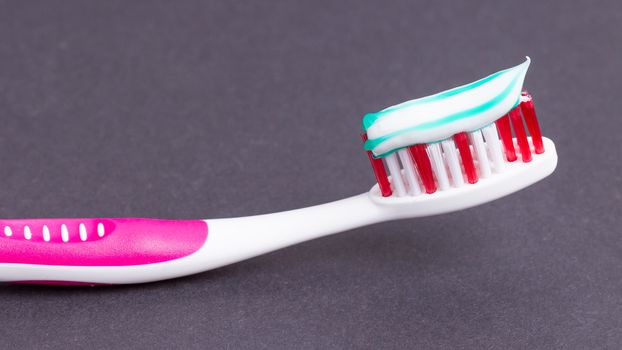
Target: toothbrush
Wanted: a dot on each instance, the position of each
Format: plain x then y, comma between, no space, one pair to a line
444,152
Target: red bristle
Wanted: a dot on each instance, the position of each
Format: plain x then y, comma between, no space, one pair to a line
424,166
521,134
529,112
379,171
505,132
462,142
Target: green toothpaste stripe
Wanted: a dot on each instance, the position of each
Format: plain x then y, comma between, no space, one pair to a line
370,118
373,143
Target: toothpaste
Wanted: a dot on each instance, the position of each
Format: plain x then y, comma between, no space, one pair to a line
437,117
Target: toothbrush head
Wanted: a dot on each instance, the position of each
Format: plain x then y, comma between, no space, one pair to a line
466,170
484,152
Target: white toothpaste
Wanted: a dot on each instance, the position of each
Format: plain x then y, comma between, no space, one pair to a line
439,116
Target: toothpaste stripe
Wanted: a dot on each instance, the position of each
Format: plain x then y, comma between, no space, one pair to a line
439,116
373,144
389,120
371,118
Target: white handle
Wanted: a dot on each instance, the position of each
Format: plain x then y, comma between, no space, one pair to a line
235,239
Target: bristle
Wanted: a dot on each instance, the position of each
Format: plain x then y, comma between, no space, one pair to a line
503,126
424,167
480,152
409,170
494,146
462,142
529,113
521,134
449,148
438,165
396,175
379,171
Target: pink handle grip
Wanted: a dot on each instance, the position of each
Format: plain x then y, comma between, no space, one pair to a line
98,242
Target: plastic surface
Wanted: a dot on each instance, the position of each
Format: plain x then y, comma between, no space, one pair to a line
108,242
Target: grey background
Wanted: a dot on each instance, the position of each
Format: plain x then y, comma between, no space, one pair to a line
193,109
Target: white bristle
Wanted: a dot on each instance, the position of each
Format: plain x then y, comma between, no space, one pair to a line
396,175
8,231
438,166
480,151
494,146
414,188
451,156
27,232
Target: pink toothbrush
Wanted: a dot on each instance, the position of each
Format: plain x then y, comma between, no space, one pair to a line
444,152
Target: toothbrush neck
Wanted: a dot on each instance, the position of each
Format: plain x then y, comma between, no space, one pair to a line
235,239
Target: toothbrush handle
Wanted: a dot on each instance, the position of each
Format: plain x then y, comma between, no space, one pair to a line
236,239
120,251
93,251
